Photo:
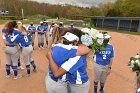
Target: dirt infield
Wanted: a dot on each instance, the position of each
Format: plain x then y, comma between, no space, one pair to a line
121,79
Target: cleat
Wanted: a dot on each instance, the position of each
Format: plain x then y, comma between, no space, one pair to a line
35,70
20,68
28,75
7,76
19,76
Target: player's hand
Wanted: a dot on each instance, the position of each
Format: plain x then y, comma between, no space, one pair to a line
109,71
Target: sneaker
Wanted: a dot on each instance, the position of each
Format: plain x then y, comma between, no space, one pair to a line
20,68
102,91
35,70
7,76
28,75
16,77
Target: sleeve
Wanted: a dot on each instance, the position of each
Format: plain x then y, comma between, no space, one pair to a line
112,52
38,28
72,64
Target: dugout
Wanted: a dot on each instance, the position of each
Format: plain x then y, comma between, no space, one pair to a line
118,23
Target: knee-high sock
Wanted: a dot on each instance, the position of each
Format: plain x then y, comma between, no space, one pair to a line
28,69
15,70
19,62
8,69
101,86
33,64
95,87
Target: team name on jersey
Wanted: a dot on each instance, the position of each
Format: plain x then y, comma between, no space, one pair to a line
105,52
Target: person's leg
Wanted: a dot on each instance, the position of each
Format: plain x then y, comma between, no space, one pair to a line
42,40
80,88
26,56
55,87
8,64
33,38
103,78
15,57
39,41
97,75
46,35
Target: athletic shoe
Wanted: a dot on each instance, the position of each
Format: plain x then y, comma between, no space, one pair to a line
102,91
35,70
20,68
28,75
7,76
16,77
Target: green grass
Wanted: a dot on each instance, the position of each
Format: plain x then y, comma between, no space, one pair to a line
4,21
120,31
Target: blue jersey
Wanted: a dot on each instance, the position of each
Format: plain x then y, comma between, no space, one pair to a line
41,28
32,28
103,57
71,27
23,41
10,37
65,57
46,27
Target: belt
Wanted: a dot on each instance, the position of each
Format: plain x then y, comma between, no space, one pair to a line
27,45
54,79
11,45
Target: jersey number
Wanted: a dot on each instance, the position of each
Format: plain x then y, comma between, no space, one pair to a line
104,56
26,39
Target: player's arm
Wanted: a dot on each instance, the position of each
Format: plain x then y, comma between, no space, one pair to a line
4,39
82,50
57,71
66,67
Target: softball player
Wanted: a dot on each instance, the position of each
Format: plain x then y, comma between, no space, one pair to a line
15,25
75,69
46,30
51,33
41,30
32,30
71,26
11,50
24,42
102,64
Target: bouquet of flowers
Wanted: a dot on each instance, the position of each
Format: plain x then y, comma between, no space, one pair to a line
134,63
93,39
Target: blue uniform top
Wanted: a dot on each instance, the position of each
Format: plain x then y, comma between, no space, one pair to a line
23,41
46,27
65,57
32,28
9,37
41,28
71,27
103,57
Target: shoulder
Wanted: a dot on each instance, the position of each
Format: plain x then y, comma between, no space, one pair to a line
68,47
4,30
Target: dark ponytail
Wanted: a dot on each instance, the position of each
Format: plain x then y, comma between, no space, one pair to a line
10,28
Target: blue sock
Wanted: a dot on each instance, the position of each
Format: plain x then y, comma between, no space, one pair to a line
8,69
32,44
19,62
39,45
95,87
42,44
33,64
28,69
101,86
15,70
